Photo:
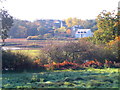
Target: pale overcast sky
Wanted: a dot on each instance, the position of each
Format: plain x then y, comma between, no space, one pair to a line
58,9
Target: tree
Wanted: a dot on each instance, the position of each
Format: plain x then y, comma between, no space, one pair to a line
42,30
7,23
73,21
62,29
107,27
68,31
69,22
91,24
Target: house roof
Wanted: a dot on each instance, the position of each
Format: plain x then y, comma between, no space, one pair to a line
84,30
77,27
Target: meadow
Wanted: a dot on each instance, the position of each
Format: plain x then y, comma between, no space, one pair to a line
88,78
55,58
32,53
25,44
31,48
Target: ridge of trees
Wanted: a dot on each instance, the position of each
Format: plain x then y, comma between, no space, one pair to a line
23,28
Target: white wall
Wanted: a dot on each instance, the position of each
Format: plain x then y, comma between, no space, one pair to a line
81,35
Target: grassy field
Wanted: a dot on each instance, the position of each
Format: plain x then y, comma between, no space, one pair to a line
33,44
31,53
89,78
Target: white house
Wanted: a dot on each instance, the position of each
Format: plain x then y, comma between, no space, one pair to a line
80,33
75,28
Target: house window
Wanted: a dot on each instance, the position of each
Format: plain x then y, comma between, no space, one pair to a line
78,32
81,32
84,31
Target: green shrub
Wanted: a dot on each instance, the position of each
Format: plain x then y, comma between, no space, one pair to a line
17,62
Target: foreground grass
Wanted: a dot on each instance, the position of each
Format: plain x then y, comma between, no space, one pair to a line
89,78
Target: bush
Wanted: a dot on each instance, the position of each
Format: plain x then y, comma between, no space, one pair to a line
94,64
114,47
17,62
63,65
48,35
35,38
75,66
76,51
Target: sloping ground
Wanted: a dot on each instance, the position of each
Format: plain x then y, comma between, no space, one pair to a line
89,78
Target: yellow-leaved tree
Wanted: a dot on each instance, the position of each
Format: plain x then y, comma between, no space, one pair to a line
107,23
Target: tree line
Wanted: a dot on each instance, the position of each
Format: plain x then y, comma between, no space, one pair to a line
48,28
105,27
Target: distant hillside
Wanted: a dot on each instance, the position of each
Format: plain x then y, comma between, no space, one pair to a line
45,27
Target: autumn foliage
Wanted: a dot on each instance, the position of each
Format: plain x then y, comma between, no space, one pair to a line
92,64
116,41
62,66
75,66
68,31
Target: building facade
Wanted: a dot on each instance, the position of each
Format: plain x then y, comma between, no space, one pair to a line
80,33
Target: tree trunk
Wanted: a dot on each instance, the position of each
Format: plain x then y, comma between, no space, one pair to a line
3,40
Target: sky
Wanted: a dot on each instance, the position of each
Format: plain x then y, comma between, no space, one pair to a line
58,9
